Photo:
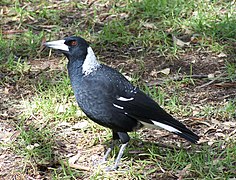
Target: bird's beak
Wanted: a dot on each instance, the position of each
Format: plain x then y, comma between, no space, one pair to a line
60,45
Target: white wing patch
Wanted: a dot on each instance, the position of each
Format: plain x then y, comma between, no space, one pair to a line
164,126
117,106
125,99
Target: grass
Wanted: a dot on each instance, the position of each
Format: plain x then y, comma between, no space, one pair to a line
35,144
46,110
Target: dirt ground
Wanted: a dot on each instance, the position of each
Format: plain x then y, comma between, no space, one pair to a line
204,91
211,86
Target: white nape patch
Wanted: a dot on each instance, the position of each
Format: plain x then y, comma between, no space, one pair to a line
90,63
158,124
57,45
125,99
117,106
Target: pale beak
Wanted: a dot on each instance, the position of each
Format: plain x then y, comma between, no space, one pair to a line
60,45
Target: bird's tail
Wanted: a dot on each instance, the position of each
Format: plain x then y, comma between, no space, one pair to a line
176,127
188,135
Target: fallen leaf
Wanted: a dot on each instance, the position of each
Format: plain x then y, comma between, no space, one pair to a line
153,73
74,158
184,172
195,38
179,42
165,71
220,135
226,85
232,133
65,124
149,25
210,143
15,135
61,108
195,112
77,166
229,124
6,90
80,125
30,147
13,32
211,76
221,55
199,119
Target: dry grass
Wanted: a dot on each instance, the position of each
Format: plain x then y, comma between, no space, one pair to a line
43,134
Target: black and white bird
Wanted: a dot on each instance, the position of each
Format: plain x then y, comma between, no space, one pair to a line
109,99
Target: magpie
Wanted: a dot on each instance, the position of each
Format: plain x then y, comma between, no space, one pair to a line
110,100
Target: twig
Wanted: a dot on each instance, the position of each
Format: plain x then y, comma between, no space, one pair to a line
179,78
41,71
211,82
227,96
31,178
170,147
184,172
206,84
194,76
232,133
77,166
226,84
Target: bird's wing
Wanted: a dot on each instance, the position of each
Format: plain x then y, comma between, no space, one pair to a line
119,105
141,107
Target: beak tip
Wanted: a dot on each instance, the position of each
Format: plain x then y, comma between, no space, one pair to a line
45,44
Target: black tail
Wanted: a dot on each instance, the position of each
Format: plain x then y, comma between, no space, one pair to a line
188,135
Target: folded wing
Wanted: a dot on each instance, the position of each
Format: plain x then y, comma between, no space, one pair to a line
142,108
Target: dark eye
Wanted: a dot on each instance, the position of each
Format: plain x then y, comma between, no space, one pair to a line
72,43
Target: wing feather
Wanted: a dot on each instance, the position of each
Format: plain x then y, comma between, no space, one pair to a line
143,108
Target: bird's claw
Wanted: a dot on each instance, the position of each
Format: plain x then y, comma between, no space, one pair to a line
111,168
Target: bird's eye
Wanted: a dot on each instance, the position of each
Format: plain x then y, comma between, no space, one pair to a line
72,43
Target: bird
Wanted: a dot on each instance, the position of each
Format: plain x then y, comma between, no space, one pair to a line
110,100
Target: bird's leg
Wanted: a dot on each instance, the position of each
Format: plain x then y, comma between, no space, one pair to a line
117,161
108,152
124,138
115,137
121,151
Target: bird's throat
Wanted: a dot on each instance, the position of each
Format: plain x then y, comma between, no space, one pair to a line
75,72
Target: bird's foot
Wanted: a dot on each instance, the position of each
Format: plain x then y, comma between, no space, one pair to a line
115,167
111,168
99,162
100,165
103,160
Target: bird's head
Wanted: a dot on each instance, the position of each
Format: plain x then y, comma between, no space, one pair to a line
74,48
77,50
